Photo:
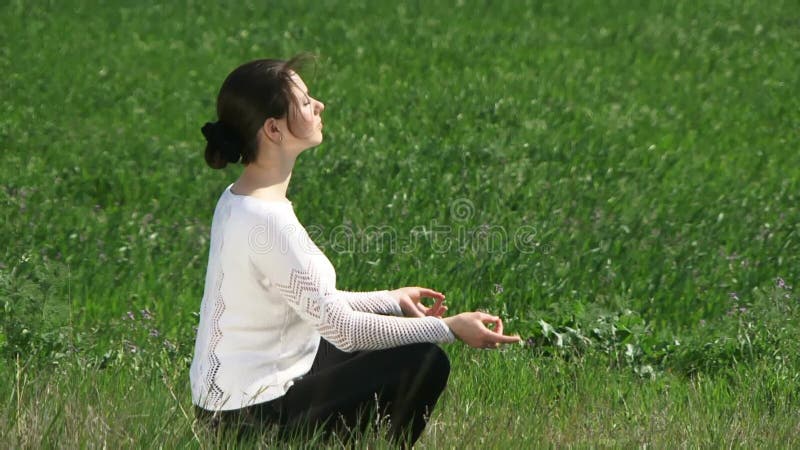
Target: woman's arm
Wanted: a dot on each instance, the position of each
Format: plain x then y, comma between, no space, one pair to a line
294,271
405,301
300,273
350,330
376,302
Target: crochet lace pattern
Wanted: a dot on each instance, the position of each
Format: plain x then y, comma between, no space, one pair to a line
215,394
340,324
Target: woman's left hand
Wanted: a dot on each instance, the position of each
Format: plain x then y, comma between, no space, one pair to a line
410,301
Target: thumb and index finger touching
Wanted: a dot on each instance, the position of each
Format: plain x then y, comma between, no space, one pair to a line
495,333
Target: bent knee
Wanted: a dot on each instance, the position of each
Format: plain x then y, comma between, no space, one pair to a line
432,359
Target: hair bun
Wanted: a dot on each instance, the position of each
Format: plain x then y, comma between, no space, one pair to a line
223,140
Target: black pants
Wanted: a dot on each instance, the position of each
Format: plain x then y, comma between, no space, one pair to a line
345,392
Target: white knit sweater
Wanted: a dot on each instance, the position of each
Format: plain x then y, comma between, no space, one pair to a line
269,295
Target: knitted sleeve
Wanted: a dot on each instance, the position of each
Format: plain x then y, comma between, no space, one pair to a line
304,277
351,330
376,302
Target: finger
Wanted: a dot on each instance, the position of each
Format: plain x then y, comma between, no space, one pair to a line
494,320
410,309
485,318
430,293
413,312
436,311
503,339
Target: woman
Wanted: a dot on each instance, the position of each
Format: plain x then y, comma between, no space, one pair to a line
277,343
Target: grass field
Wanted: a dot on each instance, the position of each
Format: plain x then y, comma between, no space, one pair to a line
619,180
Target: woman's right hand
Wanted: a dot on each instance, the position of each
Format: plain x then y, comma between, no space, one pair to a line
471,328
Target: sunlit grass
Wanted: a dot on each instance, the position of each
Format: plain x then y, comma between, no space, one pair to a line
626,156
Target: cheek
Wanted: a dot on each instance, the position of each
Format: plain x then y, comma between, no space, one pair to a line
302,115
303,122
308,113
307,119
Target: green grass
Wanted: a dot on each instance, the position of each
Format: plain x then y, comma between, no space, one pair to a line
503,400
646,152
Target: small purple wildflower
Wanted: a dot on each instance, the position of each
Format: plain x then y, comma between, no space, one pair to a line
154,333
782,284
742,310
146,314
498,288
169,345
130,316
734,296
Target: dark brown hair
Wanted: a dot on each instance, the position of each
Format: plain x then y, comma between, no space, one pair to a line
252,93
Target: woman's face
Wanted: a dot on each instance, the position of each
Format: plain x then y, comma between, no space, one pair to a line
306,120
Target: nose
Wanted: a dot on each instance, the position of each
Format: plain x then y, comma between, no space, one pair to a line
320,107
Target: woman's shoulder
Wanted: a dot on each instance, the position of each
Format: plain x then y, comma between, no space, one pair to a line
252,212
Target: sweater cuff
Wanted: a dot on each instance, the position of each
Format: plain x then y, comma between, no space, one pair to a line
449,336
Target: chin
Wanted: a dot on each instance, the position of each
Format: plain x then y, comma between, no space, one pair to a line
313,139
311,143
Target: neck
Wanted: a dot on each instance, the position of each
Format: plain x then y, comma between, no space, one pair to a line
268,177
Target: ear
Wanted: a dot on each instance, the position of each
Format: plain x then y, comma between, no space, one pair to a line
272,130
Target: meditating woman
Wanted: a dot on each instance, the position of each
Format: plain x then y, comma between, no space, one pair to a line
278,343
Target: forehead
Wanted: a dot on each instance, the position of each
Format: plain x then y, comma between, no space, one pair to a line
298,82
